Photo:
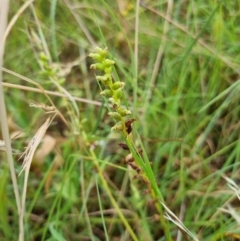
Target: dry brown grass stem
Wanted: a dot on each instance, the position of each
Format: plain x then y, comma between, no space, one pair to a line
33,144
4,5
40,89
28,156
15,18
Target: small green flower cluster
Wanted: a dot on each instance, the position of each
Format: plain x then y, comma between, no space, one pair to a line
113,90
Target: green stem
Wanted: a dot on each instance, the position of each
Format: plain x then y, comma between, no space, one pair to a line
148,176
113,201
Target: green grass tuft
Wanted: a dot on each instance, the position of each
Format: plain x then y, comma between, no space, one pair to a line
180,67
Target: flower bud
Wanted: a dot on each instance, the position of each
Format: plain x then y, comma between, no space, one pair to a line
105,79
102,52
116,116
118,85
117,127
99,66
117,94
123,112
102,78
108,62
98,57
43,57
114,101
108,70
106,93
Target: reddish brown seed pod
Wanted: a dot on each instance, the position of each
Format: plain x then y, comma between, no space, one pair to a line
115,106
128,125
124,146
129,158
